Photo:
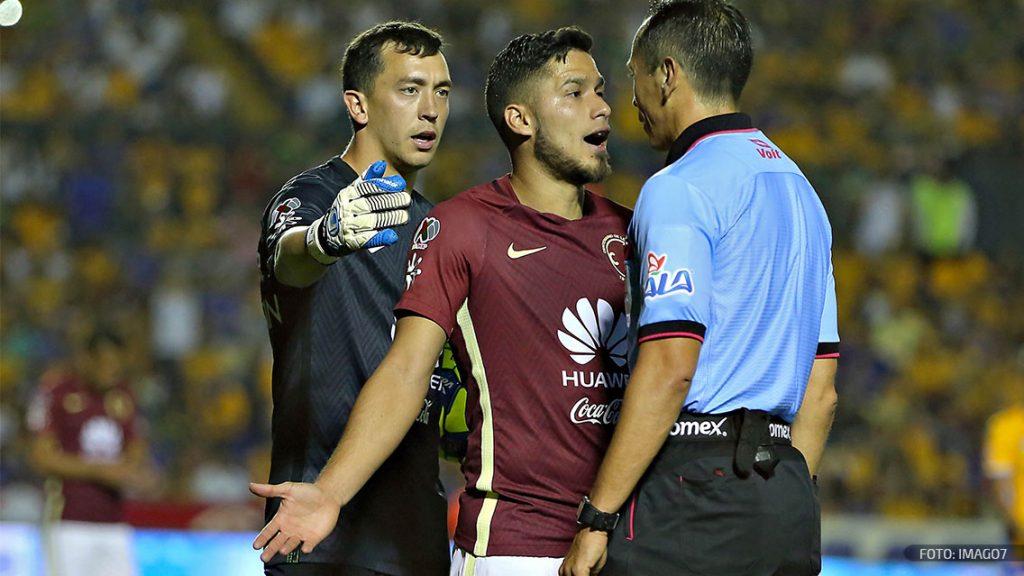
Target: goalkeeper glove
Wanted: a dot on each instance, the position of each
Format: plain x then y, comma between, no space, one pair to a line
361,216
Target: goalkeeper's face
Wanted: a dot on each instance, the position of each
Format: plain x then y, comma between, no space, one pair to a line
408,108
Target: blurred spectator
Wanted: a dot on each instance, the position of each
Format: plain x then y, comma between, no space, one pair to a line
945,213
1004,461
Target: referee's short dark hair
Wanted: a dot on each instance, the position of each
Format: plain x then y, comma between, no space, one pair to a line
363,60
709,38
521,61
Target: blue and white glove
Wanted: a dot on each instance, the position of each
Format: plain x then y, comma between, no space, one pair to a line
361,216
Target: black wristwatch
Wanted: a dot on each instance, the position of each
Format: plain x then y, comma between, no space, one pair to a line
589,516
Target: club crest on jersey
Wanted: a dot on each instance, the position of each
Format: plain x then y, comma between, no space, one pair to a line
614,247
663,282
284,216
429,228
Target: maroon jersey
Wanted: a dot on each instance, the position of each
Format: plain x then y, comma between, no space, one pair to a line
95,426
533,305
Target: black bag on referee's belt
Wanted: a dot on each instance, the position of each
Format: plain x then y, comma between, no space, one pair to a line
754,444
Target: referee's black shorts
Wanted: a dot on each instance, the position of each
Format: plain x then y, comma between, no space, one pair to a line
693,514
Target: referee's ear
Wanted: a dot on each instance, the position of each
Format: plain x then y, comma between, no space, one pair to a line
671,75
355,103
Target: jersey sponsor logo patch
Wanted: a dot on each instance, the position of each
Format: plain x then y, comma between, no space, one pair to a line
593,330
429,228
663,282
583,412
614,247
101,439
766,150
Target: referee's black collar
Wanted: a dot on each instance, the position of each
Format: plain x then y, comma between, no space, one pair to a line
702,128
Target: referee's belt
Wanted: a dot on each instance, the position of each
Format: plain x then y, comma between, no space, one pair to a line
726,427
750,436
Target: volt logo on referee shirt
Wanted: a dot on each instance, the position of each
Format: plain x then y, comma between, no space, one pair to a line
663,282
766,150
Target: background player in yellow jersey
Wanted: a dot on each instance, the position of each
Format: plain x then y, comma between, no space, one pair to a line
1004,461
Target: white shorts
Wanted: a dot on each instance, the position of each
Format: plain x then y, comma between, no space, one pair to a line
87,549
465,564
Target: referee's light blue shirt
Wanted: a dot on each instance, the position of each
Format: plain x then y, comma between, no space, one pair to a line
732,247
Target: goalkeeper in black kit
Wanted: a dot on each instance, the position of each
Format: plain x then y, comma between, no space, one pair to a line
332,257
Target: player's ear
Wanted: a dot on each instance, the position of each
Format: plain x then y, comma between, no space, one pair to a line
670,74
355,103
519,120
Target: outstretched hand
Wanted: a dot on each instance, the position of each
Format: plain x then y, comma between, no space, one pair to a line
306,516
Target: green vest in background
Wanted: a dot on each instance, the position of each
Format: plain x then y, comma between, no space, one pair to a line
943,214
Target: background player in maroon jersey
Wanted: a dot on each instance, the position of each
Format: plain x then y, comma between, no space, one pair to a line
525,275
86,434
87,443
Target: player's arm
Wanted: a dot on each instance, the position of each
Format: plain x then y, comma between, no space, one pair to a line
47,457
657,389
814,419
655,395
293,266
360,216
387,406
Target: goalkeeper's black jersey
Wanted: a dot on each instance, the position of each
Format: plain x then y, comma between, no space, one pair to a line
327,339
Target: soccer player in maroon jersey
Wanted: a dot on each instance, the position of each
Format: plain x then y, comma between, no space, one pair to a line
87,444
525,275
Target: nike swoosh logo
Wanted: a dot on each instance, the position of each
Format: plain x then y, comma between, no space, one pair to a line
515,254
375,248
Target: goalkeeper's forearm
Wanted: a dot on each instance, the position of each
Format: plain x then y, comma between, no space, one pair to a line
385,409
293,266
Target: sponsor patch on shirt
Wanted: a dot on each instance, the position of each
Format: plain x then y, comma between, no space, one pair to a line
429,228
664,282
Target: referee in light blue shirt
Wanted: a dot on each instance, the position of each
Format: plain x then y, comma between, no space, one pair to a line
733,313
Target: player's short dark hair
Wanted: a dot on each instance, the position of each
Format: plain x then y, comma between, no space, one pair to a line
100,336
521,61
363,60
709,38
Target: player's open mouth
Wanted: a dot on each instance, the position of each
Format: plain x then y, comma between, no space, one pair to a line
425,140
598,139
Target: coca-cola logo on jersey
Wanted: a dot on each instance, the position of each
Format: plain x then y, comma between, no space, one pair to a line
583,412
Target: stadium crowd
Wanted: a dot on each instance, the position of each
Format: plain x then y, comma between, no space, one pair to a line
142,139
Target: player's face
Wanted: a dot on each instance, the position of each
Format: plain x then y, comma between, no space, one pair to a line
648,102
408,108
105,366
571,138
